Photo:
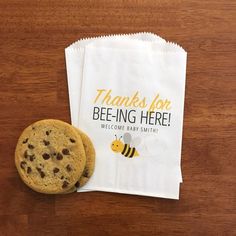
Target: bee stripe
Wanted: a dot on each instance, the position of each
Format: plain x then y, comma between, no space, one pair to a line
123,152
132,153
128,152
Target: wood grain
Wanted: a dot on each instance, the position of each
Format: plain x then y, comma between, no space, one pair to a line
33,35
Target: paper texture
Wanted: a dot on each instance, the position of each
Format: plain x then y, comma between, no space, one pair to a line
127,94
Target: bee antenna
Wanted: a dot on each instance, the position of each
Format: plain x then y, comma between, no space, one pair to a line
120,137
116,136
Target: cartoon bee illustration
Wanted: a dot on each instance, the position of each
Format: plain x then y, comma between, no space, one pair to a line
124,148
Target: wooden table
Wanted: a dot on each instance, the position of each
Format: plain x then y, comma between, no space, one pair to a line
33,35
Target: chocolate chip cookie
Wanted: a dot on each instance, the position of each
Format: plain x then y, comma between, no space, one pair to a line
90,161
50,156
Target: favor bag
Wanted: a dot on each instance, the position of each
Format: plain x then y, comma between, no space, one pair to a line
131,97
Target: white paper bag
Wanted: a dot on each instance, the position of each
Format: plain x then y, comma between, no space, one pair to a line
75,60
138,142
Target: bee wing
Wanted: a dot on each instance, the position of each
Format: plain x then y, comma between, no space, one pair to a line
135,142
127,138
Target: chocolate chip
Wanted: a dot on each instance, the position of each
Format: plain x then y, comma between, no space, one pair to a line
46,143
77,184
54,154
62,177
22,164
59,156
33,128
68,168
25,154
46,156
31,157
29,170
86,173
65,184
65,151
42,174
48,132
55,170
25,141
72,140
30,146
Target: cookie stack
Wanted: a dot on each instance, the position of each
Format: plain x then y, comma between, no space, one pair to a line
53,157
